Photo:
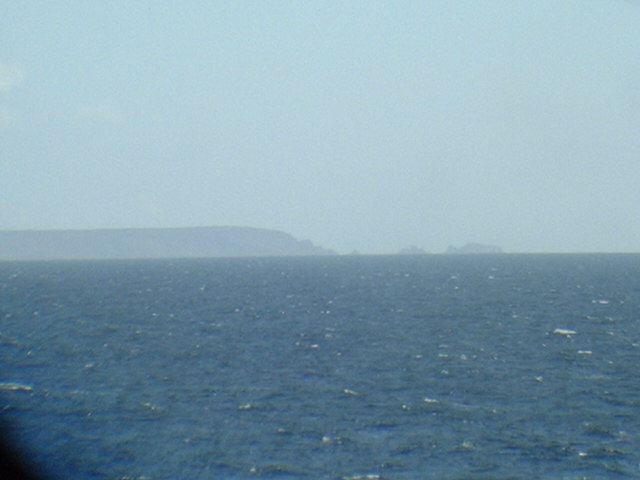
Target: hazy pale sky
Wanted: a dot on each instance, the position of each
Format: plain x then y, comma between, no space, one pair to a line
359,125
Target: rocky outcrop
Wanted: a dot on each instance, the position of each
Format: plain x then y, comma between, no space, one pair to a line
474,248
412,250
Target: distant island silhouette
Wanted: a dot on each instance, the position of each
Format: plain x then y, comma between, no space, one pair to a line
412,250
476,248
129,243
469,248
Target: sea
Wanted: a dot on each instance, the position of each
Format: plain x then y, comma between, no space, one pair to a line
339,367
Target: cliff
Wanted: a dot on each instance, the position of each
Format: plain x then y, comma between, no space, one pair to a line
152,243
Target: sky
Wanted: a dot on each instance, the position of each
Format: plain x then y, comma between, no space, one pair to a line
360,125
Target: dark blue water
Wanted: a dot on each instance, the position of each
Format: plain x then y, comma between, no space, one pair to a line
436,367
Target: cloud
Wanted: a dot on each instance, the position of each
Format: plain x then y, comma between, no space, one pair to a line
10,76
103,112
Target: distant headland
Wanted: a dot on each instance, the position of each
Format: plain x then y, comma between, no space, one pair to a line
132,243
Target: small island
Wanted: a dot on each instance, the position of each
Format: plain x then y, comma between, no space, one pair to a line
474,248
412,250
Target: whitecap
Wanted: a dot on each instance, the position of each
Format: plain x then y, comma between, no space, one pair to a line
14,386
564,331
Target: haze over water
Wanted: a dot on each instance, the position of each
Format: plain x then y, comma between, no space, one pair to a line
365,126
